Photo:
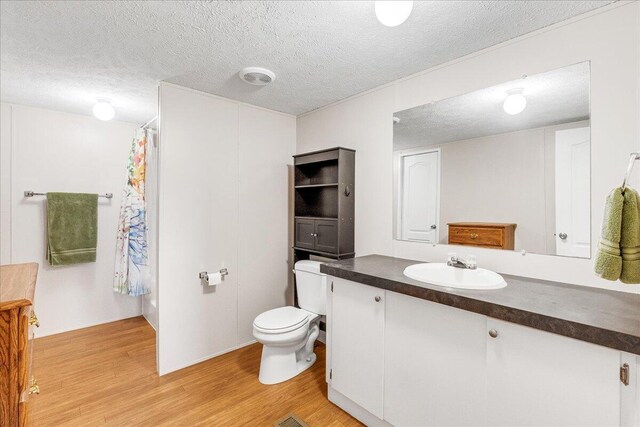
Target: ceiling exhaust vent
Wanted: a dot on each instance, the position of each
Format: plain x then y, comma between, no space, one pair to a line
257,76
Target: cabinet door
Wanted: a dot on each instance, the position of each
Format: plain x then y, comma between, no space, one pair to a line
435,359
305,233
357,351
536,378
327,236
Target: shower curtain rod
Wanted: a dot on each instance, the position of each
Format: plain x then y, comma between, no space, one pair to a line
149,122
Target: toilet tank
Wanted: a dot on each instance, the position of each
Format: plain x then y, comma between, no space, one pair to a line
311,286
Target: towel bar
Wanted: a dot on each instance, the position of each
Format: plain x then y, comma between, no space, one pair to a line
29,193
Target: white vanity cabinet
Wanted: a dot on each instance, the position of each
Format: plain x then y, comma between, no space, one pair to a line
405,361
357,343
434,364
536,378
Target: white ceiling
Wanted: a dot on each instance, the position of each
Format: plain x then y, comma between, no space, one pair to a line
63,54
555,97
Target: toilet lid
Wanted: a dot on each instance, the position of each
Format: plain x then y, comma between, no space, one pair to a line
281,318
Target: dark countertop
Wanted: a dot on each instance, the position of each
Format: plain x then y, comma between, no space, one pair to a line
598,316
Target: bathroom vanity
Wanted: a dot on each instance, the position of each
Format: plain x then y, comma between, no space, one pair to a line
406,353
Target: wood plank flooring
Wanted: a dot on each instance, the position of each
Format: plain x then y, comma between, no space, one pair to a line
105,375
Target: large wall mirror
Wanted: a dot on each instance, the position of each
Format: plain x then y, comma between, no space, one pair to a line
506,167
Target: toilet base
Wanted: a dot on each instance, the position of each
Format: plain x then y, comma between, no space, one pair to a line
279,364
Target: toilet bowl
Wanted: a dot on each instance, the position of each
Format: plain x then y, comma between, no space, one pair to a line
289,333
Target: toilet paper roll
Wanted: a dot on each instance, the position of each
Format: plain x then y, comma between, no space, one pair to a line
214,279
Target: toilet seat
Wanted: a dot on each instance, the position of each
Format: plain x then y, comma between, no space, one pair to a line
281,320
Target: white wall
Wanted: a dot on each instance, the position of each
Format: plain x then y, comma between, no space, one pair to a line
503,181
54,151
267,144
608,37
223,202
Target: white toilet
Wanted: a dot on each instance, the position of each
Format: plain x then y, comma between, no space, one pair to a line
288,333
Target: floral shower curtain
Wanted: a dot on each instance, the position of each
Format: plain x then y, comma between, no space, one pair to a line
132,262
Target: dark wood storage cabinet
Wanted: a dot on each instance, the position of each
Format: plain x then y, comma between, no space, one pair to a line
324,203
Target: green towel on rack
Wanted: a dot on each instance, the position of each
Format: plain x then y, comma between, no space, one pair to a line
630,237
72,228
608,262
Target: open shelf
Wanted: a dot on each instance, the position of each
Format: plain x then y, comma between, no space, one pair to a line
319,202
328,218
325,254
333,184
318,173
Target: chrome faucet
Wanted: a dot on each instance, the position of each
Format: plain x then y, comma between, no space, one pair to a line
456,262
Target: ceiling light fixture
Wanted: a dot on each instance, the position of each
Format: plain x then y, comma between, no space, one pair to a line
103,110
393,13
515,102
257,76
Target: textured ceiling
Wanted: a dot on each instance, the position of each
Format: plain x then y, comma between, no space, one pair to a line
554,97
63,54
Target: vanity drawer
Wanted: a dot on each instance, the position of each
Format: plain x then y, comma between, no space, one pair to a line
499,236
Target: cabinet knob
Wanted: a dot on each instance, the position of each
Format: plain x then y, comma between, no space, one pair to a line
563,236
493,333
33,320
377,298
34,388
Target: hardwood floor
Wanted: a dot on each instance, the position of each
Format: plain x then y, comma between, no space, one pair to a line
105,375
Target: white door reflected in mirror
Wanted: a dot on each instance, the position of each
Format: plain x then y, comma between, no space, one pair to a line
573,163
420,195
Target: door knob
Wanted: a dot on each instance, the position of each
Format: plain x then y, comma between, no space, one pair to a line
433,227
493,333
377,298
563,236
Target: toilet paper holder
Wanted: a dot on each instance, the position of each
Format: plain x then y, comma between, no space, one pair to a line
203,275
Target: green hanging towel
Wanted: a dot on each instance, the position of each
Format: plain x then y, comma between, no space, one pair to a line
72,228
630,237
608,262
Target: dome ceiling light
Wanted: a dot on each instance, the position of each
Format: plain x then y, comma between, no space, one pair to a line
103,110
515,102
393,13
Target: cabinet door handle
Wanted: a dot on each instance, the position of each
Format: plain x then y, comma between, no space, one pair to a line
347,191
474,235
493,333
624,374
34,388
33,320
377,298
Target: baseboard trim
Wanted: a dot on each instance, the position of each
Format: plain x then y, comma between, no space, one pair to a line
203,359
355,410
149,322
89,325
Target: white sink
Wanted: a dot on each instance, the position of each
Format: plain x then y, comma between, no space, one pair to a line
452,277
